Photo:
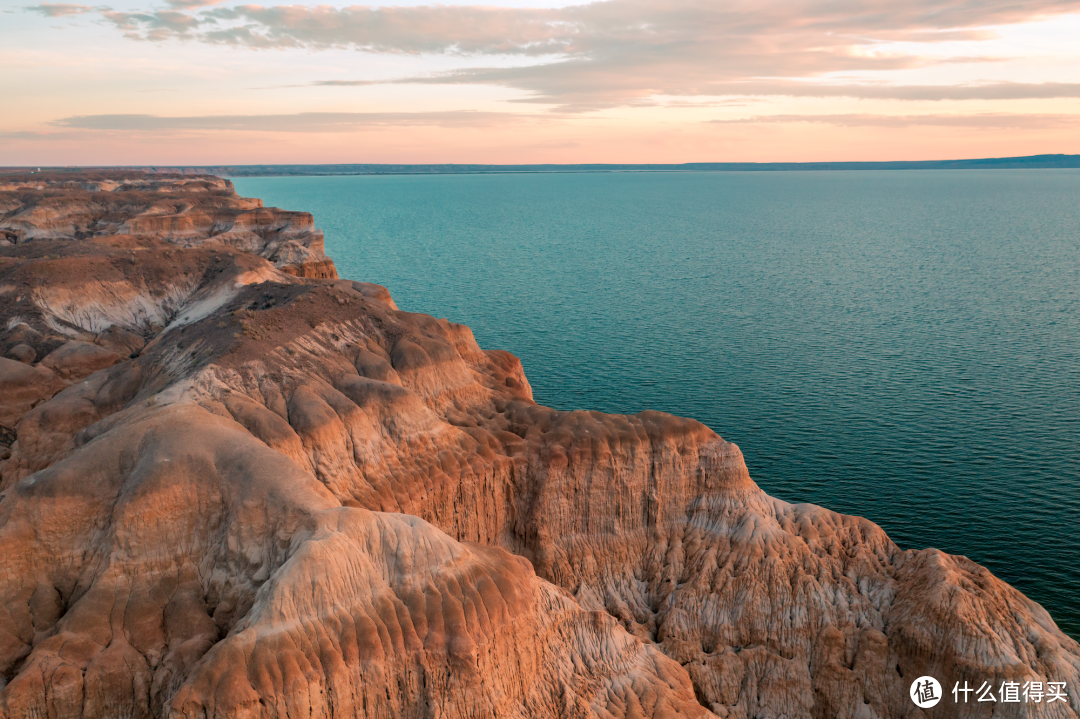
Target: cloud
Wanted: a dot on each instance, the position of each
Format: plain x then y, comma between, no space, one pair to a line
740,92
624,25
347,83
982,91
297,122
59,9
985,121
159,25
191,4
33,136
445,29
625,52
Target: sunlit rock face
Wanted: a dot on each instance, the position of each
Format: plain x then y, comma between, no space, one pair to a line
181,209
232,488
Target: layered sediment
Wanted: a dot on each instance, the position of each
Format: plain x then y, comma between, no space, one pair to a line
234,485
187,211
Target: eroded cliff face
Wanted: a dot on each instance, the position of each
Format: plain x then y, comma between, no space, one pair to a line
231,491
185,210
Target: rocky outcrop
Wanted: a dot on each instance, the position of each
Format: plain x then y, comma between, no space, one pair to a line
181,209
233,491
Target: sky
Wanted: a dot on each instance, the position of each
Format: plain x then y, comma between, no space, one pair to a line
190,82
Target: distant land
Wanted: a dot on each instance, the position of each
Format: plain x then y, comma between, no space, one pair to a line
1002,163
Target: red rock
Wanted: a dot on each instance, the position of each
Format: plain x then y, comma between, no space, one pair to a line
298,500
188,211
120,341
23,387
22,353
76,360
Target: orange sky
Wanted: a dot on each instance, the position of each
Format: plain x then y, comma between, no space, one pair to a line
197,82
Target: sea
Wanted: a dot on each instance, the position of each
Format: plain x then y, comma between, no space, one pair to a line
899,345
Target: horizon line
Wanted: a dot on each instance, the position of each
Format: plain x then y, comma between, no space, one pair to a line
1042,161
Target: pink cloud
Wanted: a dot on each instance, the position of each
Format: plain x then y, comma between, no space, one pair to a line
191,4
294,122
59,9
625,52
983,121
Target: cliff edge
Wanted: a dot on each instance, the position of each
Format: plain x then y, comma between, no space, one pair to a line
234,485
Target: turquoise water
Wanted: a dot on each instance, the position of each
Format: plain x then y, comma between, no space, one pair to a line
904,346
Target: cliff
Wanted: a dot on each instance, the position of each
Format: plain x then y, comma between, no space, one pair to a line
233,485
184,210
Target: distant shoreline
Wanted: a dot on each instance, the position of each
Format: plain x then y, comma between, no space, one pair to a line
1030,162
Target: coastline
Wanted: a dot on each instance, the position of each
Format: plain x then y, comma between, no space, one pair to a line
637,545
1057,161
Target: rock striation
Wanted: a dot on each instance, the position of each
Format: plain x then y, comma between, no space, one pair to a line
185,210
230,487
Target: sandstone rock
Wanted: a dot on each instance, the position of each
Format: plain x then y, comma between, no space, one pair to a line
181,209
22,353
75,360
298,500
23,387
286,603
122,342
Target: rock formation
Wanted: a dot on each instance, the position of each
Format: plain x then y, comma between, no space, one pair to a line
233,485
184,210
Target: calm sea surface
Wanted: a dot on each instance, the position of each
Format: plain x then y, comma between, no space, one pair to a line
902,345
